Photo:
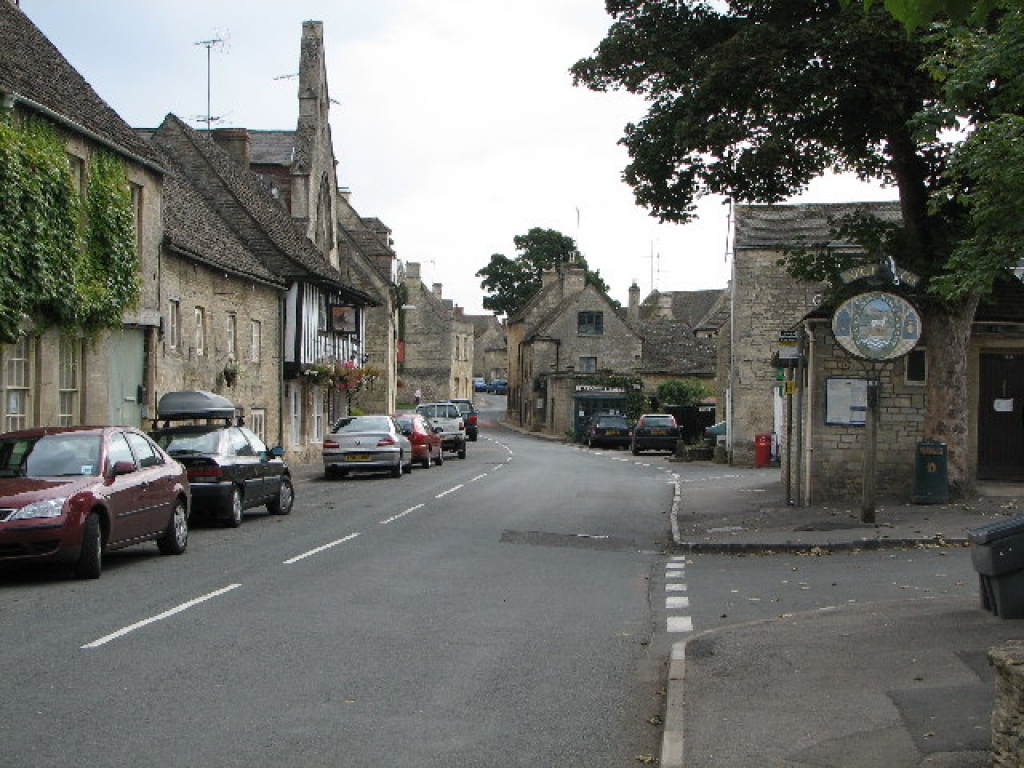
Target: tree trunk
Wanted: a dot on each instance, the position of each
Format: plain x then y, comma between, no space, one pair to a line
947,335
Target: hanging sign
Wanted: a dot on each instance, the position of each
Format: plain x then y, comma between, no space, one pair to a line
877,326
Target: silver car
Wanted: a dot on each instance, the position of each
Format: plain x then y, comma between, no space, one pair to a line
366,443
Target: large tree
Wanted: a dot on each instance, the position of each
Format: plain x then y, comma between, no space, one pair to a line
755,98
513,282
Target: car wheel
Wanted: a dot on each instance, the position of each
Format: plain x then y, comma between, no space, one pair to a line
426,459
90,560
396,471
175,538
590,443
462,451
234,511
407,468
634,450
440,457
282,505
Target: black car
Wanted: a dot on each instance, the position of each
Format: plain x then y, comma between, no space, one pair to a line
608,430
655,432
229,467
469,416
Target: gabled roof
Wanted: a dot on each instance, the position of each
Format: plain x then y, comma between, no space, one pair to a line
690,307
37,75
272,148
248,209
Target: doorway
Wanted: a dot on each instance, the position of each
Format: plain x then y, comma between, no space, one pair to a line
1001,417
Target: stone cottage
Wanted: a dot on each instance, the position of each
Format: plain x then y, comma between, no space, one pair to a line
490,347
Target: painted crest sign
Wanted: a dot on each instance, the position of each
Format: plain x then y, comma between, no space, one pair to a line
877,326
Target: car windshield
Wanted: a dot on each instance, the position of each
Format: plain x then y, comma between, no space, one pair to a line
612,421
195,441
439,411
659,421
464,407
63,455
363,424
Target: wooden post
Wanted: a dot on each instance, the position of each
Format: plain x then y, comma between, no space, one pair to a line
867,506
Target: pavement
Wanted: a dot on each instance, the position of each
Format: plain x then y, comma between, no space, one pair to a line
885,685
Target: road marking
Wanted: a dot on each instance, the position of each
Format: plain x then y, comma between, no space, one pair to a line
478,477
159,617
400,515
680,624
675,587
312,552
672,603
450,490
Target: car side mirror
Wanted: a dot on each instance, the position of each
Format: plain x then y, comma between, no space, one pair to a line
122,468
277,452
439,429
407,432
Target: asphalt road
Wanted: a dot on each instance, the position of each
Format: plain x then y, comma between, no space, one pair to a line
493,611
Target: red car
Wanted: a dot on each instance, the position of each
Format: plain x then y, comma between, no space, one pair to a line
74,493
426,442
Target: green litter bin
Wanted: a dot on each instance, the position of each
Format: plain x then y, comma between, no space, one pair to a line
931,481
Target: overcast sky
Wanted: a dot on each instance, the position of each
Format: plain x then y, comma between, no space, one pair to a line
455,121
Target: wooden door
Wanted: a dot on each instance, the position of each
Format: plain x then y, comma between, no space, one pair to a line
1001,418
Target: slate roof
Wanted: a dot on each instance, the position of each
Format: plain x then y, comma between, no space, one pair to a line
248,209
776,227
272,147
32,68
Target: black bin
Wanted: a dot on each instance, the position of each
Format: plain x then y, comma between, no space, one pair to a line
997,552
931,477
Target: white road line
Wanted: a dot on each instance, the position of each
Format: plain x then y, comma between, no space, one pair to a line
450,490
478,477
675,574
159,617
675,587
680,624
400,515
673,603
312,552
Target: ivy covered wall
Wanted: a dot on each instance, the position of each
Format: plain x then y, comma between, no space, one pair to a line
64,260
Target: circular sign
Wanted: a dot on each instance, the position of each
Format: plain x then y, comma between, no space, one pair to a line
877,326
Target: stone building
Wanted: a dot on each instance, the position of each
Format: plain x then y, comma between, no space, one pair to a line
53,375
435,342
819,427
490,347
560,345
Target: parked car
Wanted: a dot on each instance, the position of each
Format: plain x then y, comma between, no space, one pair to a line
75,493
479,384
453,429
229,467
361,443
608,430
470,416
424,437
655,432
498,387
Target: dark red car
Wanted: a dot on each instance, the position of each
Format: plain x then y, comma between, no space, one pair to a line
73,493
426,442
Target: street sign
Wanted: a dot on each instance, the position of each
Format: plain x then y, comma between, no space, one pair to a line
877,326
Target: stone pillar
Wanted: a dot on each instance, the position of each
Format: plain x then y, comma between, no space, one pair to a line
1008,715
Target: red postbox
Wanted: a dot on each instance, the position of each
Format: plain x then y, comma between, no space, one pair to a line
762,450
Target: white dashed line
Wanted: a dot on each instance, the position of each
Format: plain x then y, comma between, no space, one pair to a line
675,572
400,515
680,624
159,617
312,552
442,494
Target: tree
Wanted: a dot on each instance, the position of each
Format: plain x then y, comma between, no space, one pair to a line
682,392
513,282
917,13
754,99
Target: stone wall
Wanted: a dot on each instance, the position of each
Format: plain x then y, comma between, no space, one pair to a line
1008,715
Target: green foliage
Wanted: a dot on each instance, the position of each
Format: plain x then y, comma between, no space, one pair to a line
511,283
683,392
919,13
633,387
66,261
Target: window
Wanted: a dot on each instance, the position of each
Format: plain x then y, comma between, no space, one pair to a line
916,370
258,423
237,443
591,323
174,324
200,341
118,450
143,450
68,375
588,365
318,415
321,307
295,398
232,335
17,381
255,339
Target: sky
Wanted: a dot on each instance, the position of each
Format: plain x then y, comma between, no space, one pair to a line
455,122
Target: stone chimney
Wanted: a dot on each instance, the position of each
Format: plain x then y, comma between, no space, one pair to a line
575,279
633,311
234,141
436,290
665,306
547,277
412,275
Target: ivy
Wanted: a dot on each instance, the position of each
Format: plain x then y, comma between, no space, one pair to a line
63,261
636,402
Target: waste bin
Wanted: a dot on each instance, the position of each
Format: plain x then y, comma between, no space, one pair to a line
997,552
931,483
762,450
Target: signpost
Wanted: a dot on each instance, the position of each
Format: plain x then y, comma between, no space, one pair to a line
877,327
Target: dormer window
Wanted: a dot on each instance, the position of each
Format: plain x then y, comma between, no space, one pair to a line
590,323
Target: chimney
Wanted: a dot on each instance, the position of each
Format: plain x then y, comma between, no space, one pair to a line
633,312
575,279
412,273
436,290
234,141
665,306
459,312
547,277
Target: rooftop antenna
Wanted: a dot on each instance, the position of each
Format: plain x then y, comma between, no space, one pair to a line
220,42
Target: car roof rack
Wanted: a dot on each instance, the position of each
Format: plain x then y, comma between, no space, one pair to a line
194,404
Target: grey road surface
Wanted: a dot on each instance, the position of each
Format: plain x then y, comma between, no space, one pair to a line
493,611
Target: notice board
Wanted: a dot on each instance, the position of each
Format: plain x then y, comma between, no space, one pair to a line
846,401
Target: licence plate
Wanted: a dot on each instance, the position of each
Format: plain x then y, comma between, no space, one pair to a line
357,457
612,432
658,432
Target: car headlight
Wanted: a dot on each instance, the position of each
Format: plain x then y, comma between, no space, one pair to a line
40,509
